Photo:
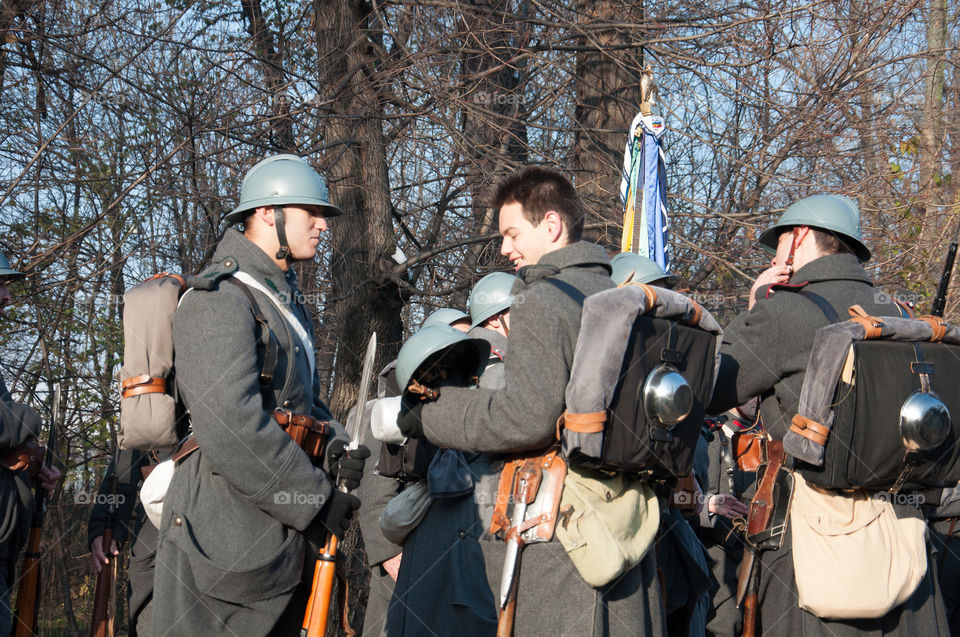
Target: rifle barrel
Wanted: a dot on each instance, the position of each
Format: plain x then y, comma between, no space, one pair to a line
940,301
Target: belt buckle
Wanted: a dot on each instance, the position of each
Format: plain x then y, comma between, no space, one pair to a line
277,413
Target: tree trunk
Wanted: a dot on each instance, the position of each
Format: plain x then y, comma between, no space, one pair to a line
608,97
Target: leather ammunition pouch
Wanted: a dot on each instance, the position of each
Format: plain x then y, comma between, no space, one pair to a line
684,495
27,457
540,519
770,506
747,449
309,433
407,462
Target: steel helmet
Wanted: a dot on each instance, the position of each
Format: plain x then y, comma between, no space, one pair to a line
642,269
440,344
6,272
490,296
282,180
834,213
444,317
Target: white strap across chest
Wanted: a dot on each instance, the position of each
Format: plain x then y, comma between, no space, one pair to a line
295,324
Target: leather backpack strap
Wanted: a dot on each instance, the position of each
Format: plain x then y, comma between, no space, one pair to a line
269,343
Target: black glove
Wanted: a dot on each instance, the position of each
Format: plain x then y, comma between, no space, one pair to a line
334,517
346,466
410,422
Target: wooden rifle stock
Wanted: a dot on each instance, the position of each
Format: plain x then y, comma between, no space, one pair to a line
507,615
318,606
27,614
100,625
751,607
28,595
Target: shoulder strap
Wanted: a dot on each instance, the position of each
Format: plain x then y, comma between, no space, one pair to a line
567,289
824,305
266,338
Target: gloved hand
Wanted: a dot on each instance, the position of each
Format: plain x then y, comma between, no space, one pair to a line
346,466
334,517
409,421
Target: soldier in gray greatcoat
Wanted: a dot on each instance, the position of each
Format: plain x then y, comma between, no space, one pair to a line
453,538
19,426
541,221
239,510
765,351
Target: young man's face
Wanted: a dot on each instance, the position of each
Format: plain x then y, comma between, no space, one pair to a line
523,242
303,227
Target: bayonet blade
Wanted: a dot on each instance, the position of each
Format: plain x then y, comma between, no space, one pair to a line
353,426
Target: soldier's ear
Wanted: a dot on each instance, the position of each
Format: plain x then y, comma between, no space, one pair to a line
555,227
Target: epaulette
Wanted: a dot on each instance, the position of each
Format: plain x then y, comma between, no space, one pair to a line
217,272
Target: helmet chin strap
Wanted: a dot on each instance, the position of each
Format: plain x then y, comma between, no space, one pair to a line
793,248
283,253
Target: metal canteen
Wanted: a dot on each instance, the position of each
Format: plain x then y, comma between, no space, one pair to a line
667,396
924,422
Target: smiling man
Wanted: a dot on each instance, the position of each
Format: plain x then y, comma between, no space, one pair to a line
541,220
231,551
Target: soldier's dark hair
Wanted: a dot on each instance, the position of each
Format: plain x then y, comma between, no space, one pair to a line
540,190
829,243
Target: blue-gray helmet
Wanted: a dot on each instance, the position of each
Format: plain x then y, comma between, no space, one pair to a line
836,214
440,346
490,296
282,180
639,269
446,316
6,272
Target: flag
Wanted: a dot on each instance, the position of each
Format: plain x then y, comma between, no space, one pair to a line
643,190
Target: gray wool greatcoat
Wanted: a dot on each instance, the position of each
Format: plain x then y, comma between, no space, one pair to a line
18,423
765,353
231,548
553,600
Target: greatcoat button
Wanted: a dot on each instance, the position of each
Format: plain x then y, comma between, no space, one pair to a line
178,521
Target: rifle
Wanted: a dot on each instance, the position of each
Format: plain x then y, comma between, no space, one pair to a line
528,477
100,625
321,590
27,615
940,301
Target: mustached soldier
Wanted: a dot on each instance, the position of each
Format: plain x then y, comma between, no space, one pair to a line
818,252
235,519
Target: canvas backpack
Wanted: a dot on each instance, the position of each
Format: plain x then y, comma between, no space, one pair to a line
625,334
846,433
152,416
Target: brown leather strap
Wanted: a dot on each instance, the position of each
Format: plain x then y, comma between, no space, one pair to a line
650,293
160,275
872,326
937,325
185,450
694,320
27,457
308,432
142,384
591,423
809,429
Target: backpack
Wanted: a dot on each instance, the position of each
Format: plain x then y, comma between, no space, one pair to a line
152,416
846,433
625,334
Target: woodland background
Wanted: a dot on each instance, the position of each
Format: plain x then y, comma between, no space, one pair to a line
126,127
